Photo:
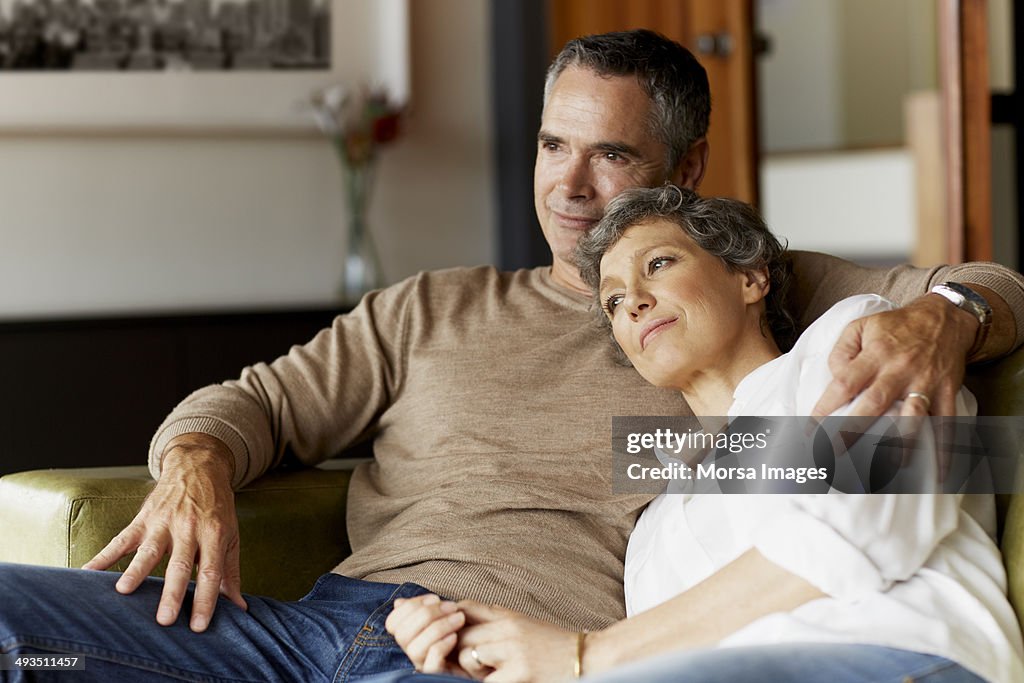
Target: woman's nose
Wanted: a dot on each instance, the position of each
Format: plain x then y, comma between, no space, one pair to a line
639,302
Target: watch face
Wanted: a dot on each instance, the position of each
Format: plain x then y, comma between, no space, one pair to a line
956,297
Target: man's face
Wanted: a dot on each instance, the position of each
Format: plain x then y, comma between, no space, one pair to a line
594,142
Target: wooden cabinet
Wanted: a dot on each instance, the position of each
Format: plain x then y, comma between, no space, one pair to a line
90,392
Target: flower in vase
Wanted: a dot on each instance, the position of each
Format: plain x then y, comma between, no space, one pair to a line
358,121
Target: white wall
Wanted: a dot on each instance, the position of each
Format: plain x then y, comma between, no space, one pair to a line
798,88
1005,223
109,224
875,71
834,83
1000,44
837,70
859,205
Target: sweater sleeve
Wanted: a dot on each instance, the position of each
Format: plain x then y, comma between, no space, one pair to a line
313,402
821,280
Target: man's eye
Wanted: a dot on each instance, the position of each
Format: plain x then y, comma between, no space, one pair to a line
614,156
657,263
611,302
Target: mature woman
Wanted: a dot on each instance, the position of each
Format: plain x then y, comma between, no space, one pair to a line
742,587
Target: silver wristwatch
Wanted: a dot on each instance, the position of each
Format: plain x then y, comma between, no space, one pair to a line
966,299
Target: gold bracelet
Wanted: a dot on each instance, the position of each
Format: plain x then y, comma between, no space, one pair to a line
577,670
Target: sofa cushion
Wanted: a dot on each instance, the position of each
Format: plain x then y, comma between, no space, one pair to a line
292,523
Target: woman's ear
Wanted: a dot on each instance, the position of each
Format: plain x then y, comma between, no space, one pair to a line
756,285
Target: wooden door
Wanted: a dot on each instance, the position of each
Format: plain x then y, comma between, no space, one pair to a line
720,33
967,124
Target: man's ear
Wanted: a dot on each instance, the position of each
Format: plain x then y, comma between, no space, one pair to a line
690,169
756,285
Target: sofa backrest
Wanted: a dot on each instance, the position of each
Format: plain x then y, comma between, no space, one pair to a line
999,387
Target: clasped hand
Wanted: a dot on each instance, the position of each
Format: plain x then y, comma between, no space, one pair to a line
483,642
190,516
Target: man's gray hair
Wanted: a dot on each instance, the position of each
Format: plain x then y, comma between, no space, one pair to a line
667,72
727,228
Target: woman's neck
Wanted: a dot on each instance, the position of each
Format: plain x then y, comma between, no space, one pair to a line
710,392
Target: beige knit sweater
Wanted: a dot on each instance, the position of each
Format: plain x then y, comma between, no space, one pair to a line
488,397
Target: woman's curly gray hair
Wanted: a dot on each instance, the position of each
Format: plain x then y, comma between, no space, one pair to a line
727,228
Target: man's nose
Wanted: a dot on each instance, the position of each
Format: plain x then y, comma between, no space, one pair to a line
575,181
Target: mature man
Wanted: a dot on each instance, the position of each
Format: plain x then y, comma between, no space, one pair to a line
488,397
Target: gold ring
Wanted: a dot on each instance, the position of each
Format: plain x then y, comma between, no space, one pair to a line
923,397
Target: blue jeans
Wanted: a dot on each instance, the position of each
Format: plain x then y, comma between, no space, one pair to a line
790,663
335,633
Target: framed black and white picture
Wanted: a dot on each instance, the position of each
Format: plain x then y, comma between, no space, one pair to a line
212,65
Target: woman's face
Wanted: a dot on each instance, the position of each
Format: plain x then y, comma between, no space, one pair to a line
675,309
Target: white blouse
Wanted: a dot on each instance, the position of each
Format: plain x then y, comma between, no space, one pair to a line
915,572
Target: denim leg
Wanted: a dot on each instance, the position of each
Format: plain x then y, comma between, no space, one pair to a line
785,663
364,606
335,633
413,677
800,663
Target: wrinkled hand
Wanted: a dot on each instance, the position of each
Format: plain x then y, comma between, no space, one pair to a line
190,515
921,347
514,647
427,629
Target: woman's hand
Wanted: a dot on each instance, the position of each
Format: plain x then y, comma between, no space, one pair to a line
427,629
512,647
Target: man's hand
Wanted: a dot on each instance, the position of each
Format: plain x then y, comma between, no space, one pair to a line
190,515
427,629
511,647
880,359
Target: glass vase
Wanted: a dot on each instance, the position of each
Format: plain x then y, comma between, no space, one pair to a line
361,271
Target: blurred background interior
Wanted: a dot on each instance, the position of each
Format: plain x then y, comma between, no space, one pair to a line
140,261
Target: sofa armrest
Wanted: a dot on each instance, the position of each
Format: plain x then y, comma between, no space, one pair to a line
999,387
292,524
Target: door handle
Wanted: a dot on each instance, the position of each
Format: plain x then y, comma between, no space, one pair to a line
714,44
720,44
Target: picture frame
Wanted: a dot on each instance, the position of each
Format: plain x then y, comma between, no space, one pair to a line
369,48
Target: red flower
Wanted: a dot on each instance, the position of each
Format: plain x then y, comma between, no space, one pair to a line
359,121
385,128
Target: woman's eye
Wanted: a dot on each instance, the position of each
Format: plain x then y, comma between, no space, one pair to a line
611,302
658,263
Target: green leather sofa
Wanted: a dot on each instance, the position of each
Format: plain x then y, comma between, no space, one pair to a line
292,524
